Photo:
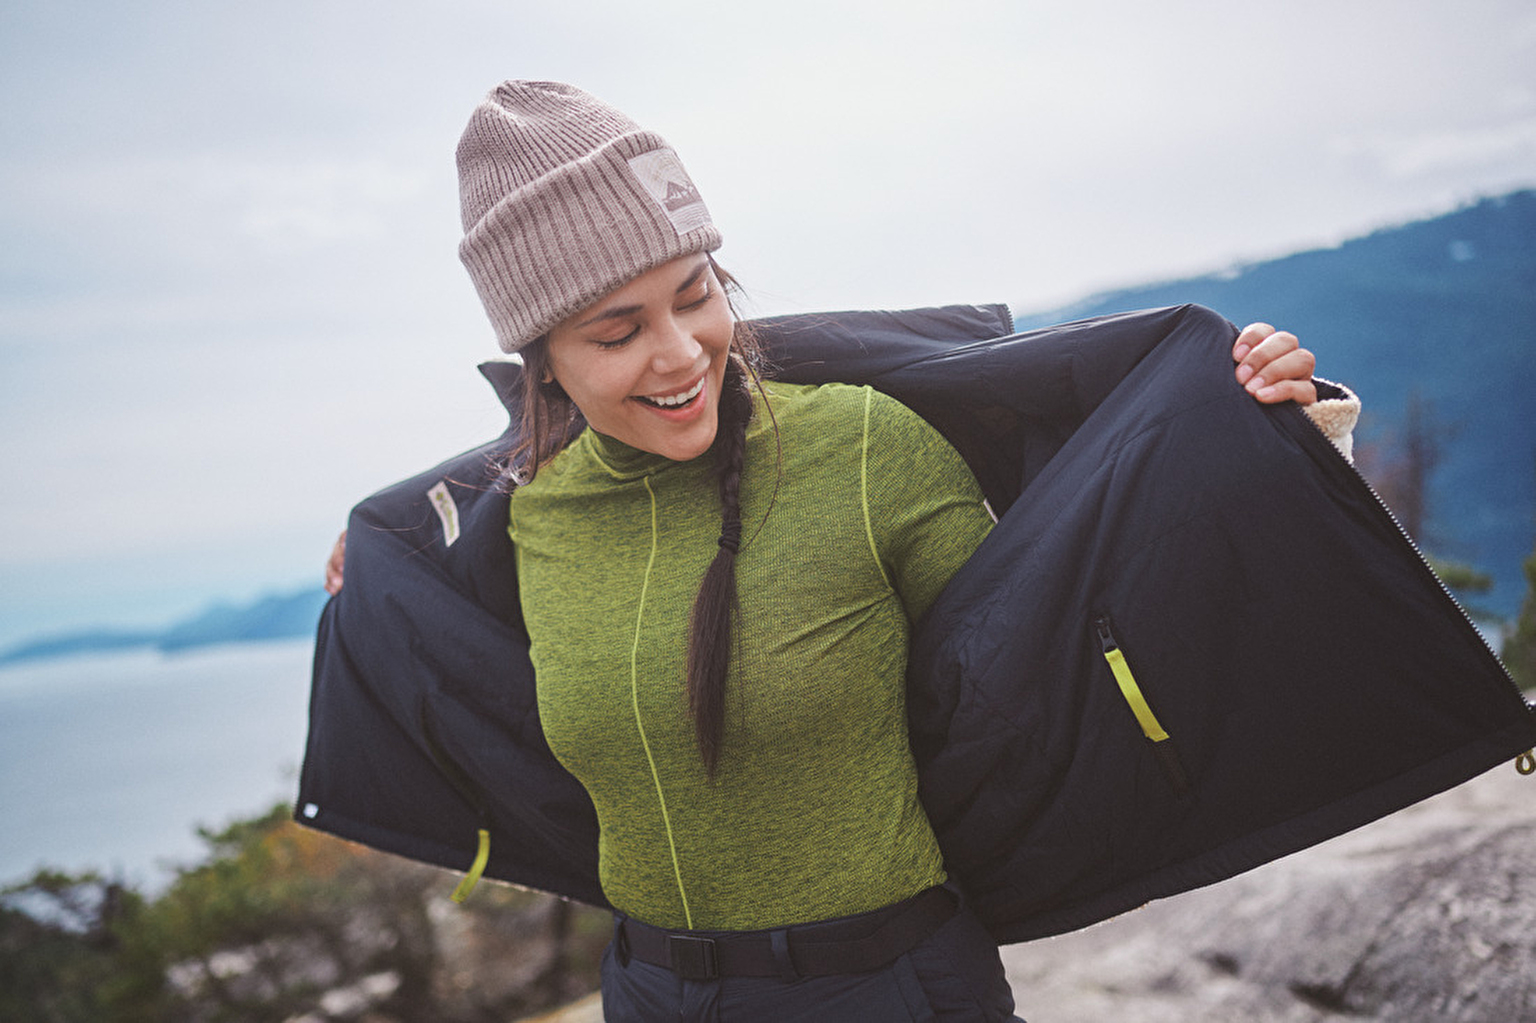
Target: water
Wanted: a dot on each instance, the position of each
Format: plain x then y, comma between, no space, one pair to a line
111,762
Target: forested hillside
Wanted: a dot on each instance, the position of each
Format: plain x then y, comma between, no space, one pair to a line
1437,317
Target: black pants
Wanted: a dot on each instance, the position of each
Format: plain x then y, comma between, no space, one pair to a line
953,976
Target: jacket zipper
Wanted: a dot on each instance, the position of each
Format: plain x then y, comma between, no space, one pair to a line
1157,736
1526,762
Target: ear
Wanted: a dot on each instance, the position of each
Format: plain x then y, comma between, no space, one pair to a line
550,387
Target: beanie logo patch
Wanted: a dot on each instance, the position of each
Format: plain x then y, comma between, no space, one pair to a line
663,177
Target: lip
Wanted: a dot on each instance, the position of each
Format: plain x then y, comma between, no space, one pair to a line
681,413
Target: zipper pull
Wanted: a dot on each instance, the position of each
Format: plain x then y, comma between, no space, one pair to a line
1106,637
1162,747
1525,763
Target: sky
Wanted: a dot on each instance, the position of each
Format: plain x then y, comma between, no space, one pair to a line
230,299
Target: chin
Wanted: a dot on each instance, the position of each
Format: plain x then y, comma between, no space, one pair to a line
687,451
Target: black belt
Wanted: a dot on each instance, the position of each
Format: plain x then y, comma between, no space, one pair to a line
853,944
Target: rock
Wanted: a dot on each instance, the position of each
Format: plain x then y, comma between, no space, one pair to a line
1429,914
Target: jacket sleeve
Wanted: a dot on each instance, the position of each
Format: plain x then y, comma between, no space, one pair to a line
423,722
1106,706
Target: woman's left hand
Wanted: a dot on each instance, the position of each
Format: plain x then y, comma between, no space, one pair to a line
335,565
1273,367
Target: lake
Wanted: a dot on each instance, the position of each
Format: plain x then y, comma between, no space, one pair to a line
111,762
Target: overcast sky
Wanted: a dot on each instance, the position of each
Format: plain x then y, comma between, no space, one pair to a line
231,305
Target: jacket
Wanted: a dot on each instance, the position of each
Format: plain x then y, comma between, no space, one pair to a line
1118,698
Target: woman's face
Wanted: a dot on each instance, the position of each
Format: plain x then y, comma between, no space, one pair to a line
645,362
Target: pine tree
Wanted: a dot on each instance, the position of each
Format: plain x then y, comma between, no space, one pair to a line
1520,638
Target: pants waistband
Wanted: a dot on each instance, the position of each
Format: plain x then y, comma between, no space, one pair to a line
853,944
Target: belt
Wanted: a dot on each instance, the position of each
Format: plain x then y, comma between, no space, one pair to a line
852,944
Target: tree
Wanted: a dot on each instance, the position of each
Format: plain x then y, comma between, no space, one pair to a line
1520,638
1401,470
1463,580
57,945
283,923
1401,466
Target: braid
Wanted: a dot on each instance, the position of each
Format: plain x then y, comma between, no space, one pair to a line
709,640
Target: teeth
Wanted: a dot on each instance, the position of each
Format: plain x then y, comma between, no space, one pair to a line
673,400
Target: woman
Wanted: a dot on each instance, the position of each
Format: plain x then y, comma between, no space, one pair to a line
718,576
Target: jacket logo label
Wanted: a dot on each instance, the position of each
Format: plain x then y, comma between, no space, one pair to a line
662,175
447,511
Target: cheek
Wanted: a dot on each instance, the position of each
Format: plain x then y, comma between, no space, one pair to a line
724,333
597,386
576,374
593,396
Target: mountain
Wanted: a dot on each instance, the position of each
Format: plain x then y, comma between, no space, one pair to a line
1440,311
1443,309
285,616
272,617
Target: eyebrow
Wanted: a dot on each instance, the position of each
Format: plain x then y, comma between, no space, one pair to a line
629,310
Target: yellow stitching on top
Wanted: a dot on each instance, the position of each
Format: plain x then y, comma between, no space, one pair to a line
869,529
634,690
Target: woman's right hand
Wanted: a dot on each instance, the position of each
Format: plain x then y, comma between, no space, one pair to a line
333,566
1273,367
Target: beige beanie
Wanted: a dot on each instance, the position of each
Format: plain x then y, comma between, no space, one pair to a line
564,199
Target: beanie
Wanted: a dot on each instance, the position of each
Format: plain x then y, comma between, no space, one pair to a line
564,199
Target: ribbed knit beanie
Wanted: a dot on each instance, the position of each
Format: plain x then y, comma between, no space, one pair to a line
564,199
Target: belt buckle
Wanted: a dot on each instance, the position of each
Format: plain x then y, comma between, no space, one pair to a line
692,958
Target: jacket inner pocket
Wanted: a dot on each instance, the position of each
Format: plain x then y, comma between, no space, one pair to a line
1163,748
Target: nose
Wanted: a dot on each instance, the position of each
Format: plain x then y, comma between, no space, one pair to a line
675,349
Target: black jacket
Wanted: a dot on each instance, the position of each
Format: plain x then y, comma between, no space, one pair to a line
1308,670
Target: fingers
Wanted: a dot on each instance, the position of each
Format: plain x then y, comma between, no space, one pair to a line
1272,366
1287,376
334,565
1249,339
1302,392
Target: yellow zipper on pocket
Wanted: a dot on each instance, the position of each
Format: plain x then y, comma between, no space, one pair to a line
1151,727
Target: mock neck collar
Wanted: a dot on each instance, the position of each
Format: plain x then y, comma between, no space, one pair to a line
622,460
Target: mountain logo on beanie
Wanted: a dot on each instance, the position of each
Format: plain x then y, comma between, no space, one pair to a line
661,173
680,194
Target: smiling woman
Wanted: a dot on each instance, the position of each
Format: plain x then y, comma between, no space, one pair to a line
717,582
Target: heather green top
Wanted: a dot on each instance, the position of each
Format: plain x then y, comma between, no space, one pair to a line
813,809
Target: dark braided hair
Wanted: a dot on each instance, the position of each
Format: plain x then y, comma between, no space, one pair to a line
709,636
549,420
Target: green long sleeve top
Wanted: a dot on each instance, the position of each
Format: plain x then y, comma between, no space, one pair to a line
854,517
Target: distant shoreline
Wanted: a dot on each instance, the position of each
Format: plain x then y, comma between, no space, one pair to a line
285,616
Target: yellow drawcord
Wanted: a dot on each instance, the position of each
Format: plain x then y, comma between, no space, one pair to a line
482,854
